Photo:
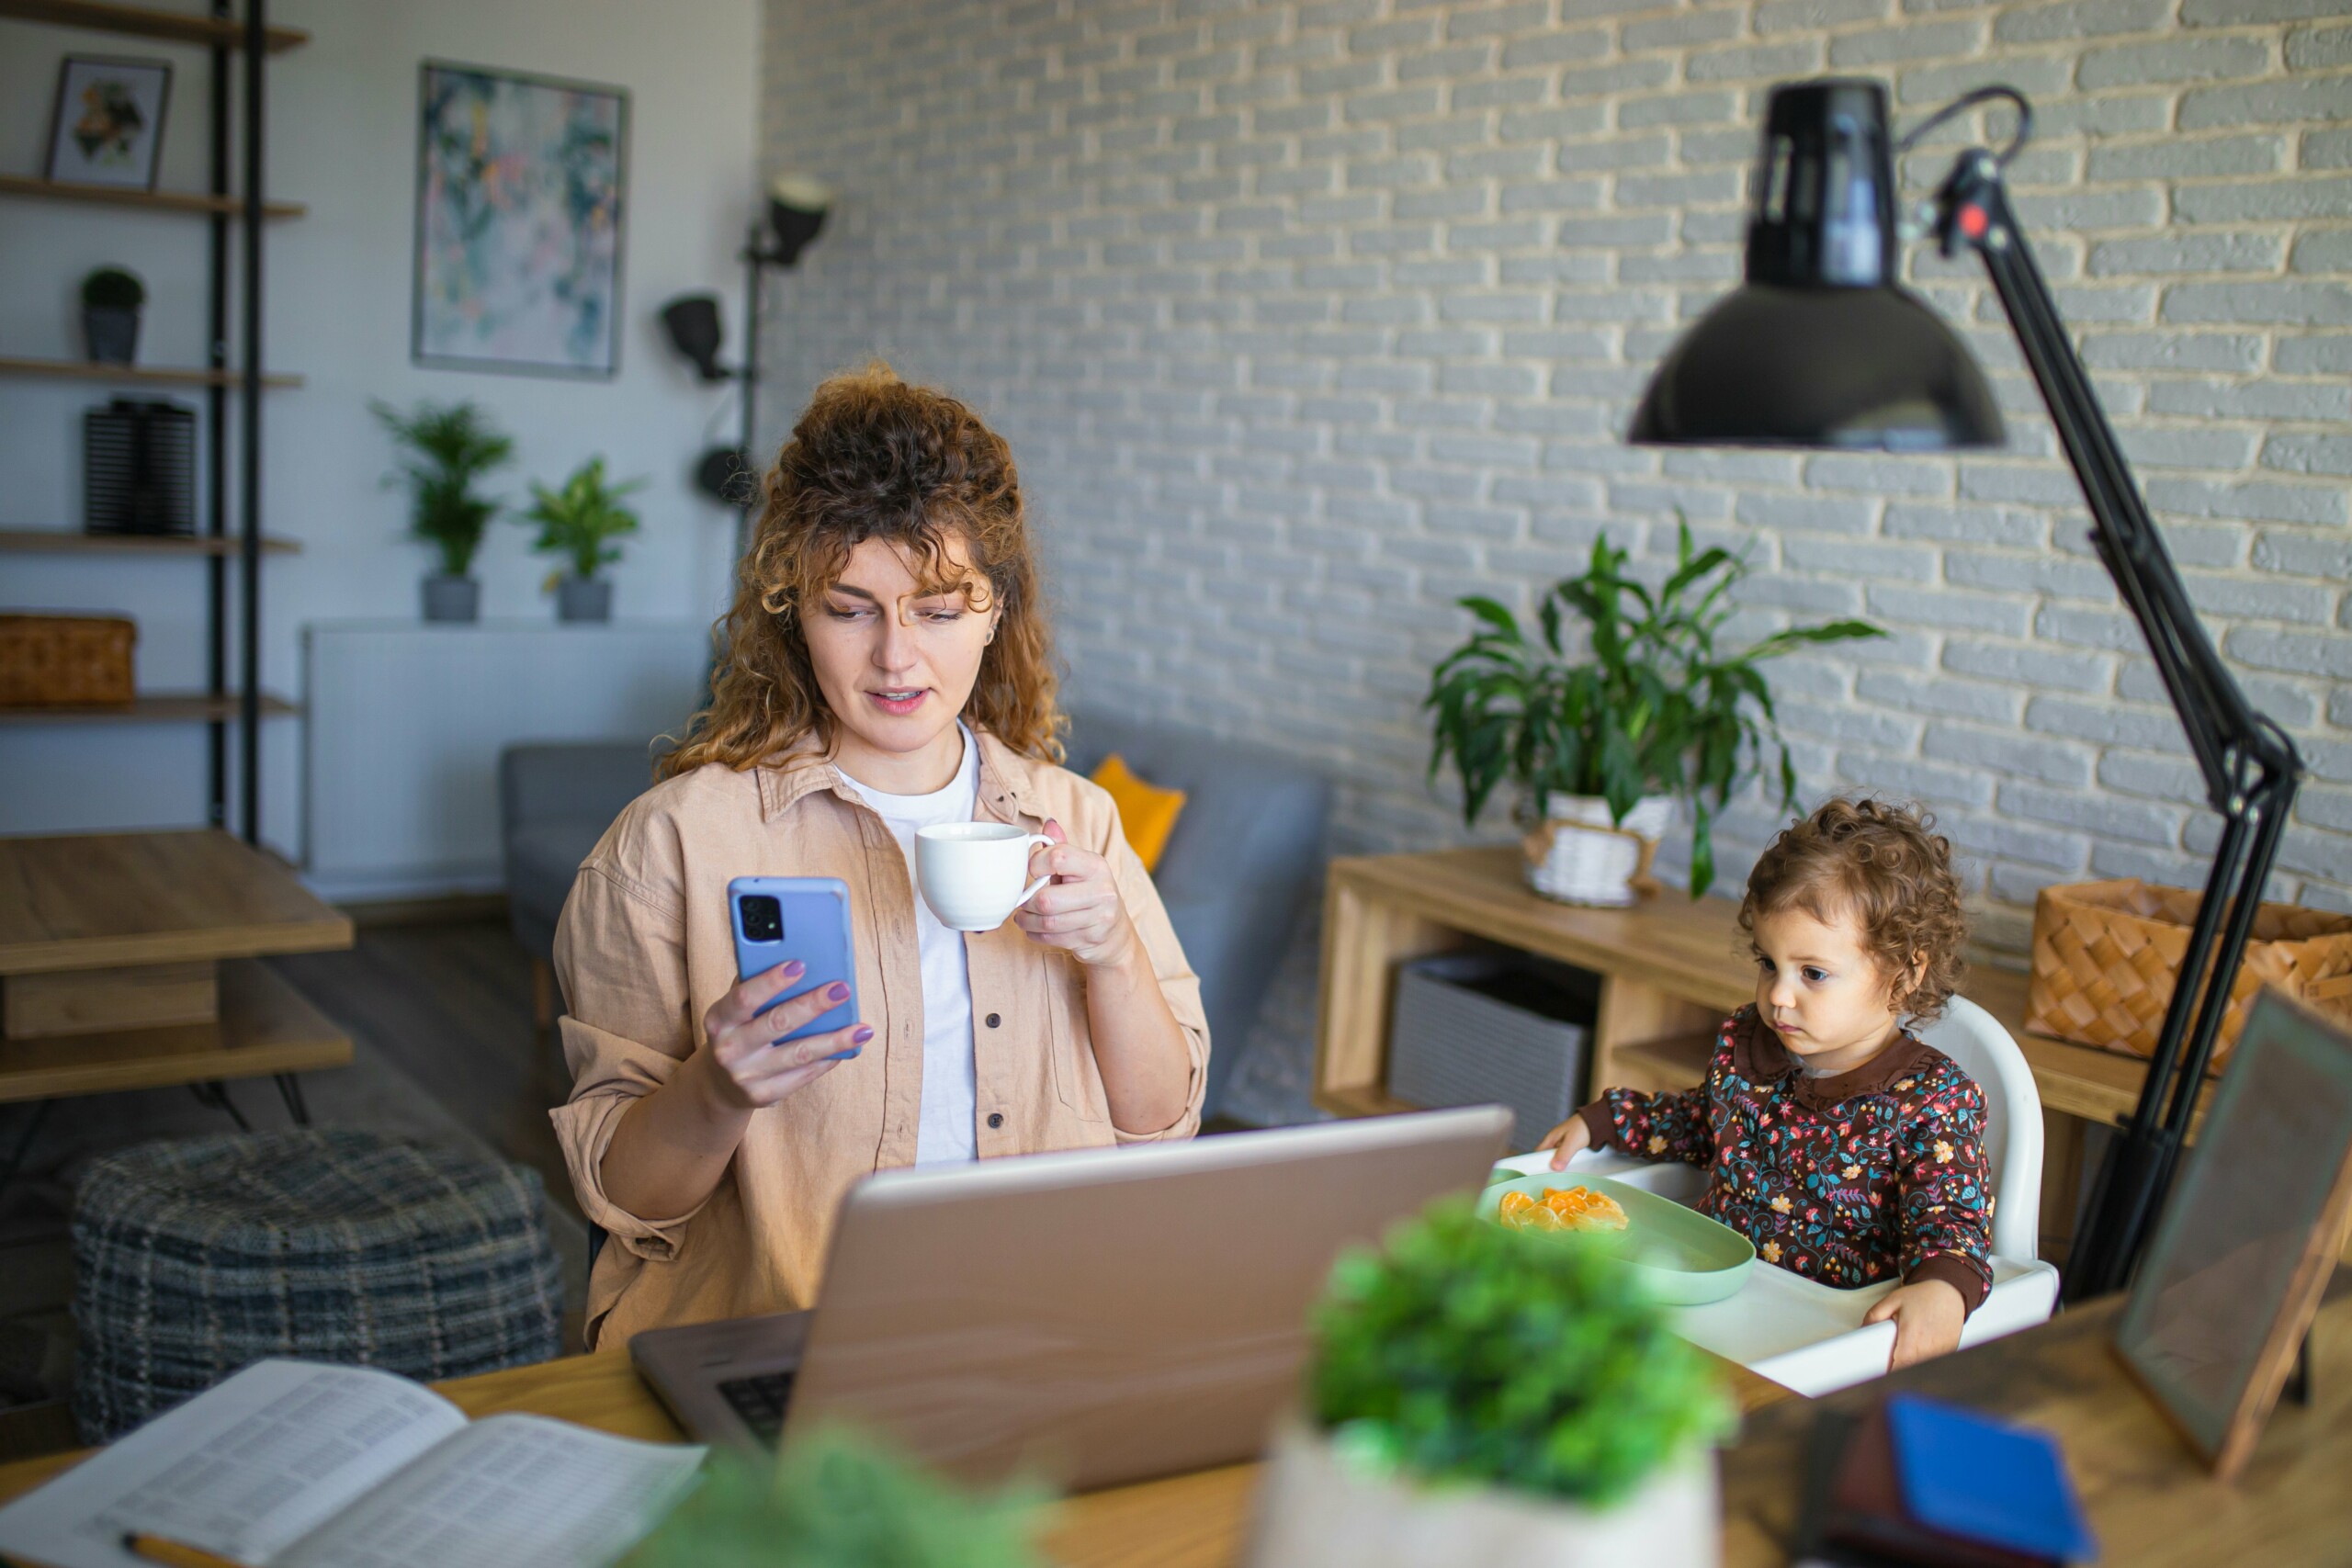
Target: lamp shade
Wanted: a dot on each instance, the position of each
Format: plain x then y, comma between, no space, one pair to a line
1821,346
692,321
796,209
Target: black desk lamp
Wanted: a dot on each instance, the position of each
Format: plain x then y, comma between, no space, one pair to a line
1824,348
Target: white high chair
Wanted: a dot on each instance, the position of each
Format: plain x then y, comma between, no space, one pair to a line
1809,1336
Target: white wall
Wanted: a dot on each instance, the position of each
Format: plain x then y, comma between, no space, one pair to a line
342,133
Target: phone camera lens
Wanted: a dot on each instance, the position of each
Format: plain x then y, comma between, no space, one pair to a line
762,918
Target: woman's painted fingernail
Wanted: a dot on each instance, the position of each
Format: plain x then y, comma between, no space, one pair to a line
865,1032
837,992
793,970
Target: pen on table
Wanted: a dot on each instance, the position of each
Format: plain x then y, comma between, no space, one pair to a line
172,1554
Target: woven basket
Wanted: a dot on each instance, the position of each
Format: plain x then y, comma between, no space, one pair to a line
62,661
2105,955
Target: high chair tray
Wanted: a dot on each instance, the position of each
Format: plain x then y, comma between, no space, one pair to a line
1682,1256
1795,1331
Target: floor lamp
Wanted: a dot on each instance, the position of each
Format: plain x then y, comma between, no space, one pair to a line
1822,348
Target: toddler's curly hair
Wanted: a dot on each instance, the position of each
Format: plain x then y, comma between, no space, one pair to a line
1884,865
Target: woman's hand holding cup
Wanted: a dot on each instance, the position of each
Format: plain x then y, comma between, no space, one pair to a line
746,1061
1080,910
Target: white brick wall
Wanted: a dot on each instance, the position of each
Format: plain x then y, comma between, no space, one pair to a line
1305,319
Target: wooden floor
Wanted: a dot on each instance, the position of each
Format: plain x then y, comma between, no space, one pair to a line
450,1002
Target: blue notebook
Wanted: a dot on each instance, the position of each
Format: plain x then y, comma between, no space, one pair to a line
1969,1475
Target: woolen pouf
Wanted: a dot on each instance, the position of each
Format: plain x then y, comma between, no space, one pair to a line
196,1257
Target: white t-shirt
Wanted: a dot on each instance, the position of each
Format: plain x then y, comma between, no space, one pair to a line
944,1132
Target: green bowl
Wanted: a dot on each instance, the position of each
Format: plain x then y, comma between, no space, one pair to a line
1685,1258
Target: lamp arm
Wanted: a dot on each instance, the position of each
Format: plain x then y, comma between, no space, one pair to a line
2250,766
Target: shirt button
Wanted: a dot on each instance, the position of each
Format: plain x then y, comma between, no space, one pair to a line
996,1118
992,1020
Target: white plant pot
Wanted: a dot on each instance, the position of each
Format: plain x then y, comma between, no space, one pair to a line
1580,856
1314,1512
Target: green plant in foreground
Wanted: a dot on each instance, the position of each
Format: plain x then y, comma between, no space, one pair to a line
1462,1352
445,448
577,519
838,1501
113,288
1653,708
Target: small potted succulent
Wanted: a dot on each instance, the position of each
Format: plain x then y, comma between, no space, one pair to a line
839,1501
1602,747
445,449
577,522
1485,1395
111,299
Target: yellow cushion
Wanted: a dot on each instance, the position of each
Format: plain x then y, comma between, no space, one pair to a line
1148,814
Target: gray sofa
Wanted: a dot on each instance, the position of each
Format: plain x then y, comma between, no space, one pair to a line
1246,855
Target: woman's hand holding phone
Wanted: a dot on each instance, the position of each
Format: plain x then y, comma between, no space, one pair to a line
748,1063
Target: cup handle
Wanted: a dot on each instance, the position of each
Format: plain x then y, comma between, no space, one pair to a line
1031,891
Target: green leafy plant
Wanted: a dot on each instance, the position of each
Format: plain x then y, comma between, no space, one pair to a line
577,519
444,449
113,288
1654,707
1462,1352
839,1501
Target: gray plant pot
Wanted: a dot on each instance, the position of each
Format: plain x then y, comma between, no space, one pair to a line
584,598
448,598
110,333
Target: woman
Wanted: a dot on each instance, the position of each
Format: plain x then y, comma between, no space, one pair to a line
888,665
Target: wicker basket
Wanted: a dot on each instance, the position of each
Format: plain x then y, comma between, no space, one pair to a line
66,662
2105,955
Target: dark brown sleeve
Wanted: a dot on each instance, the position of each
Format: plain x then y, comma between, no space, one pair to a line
1957,1272
1597,1125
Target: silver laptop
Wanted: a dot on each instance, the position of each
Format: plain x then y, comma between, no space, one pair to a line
1089,1318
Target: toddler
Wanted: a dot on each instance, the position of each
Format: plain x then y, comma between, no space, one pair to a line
1845,1148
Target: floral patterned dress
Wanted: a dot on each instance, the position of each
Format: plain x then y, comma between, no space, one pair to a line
1867,1175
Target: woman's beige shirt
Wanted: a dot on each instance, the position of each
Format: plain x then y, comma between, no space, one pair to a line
643,949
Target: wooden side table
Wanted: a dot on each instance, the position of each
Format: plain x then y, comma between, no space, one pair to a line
1671,969
128,961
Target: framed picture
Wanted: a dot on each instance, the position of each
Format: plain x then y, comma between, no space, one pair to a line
109,126
2233,1273
520,183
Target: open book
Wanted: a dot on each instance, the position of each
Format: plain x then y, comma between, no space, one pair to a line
295,1464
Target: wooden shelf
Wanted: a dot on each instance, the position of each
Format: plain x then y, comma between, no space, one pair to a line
265,1027
155,200
175,27
152,707
87,370
60,541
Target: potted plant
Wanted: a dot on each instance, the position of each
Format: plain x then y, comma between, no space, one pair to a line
837,1501
576,520
111,298
1484,1396
1600,748
445,449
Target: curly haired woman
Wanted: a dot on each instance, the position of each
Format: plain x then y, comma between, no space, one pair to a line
1846,1148
888,665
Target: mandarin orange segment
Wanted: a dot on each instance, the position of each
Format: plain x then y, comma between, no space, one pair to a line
1513,1205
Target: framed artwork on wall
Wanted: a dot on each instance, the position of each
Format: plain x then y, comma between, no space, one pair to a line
107,128
520,188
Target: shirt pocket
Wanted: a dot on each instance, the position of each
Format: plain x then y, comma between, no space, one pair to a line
1078,1082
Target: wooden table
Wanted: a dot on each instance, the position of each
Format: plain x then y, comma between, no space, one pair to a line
1671,970
128,960
2149,1500
1183,1521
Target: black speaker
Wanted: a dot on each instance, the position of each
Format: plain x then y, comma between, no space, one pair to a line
138,467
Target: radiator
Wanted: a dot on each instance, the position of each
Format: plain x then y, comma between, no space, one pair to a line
404,723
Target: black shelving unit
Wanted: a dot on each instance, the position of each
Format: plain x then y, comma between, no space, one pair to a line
233,372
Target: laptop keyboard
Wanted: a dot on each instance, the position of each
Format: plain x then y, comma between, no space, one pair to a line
760,1401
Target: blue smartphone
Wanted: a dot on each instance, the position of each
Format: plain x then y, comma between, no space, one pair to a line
778,918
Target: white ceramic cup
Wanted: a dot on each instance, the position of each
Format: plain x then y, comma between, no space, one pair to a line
971,873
